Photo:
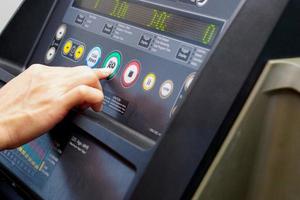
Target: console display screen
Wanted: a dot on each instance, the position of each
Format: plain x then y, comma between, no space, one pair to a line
193,29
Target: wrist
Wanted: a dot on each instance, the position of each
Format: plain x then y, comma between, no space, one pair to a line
4,134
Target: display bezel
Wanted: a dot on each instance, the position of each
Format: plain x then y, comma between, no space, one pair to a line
202,19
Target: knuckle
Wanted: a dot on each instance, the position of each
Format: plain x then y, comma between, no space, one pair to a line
82,90
88,73
35,67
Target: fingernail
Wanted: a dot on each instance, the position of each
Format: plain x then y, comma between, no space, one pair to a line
106,71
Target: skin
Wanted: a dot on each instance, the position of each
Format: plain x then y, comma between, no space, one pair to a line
40,97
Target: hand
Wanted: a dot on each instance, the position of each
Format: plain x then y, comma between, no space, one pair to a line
40,97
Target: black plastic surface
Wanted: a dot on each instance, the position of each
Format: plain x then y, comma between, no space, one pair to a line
19,37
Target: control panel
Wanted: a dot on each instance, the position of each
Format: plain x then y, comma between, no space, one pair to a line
154,51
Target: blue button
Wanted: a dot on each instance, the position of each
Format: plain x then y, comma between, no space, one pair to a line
94,57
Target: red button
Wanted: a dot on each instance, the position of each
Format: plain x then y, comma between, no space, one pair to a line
131,74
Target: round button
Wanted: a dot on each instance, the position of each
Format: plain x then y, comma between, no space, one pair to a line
50,55
79,52
189,80
166,89
131,74
67,47
112,61
201,3
149,82
61,31
93,57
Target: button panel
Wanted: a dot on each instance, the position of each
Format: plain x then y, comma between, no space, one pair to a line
73,50
56,41
144,75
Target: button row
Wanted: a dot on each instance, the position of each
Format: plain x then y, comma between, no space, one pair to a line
130,74
59,35
73,50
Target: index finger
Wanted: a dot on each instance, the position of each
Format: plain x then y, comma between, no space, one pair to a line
103,73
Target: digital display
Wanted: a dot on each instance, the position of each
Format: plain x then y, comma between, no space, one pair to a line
192,29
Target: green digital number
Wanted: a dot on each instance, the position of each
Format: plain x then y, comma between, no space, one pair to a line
159,20
120,9
97,4
209,34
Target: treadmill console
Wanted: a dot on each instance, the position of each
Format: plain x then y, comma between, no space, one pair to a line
154,49
157,49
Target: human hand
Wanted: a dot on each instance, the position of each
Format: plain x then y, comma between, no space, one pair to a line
40,97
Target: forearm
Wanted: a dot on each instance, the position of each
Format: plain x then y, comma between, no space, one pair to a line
4,134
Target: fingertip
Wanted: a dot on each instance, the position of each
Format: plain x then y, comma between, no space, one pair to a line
103,73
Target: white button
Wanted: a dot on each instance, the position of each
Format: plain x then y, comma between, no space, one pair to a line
60,33
201,3
166,89
94,57
50,55
189,80
131,74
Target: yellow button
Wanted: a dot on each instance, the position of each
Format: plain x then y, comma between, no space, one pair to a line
68,47
79,52
149,82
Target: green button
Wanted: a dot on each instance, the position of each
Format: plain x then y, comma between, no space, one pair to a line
113,61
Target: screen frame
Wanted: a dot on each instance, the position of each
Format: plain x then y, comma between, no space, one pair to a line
205,19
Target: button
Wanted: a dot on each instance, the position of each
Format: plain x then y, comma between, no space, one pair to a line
61,31
50,55
94,57
79,19
131,74
184,53
189,80
67,47
166,89
113,61
149,81
79,52
145,41
108,28
200,3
